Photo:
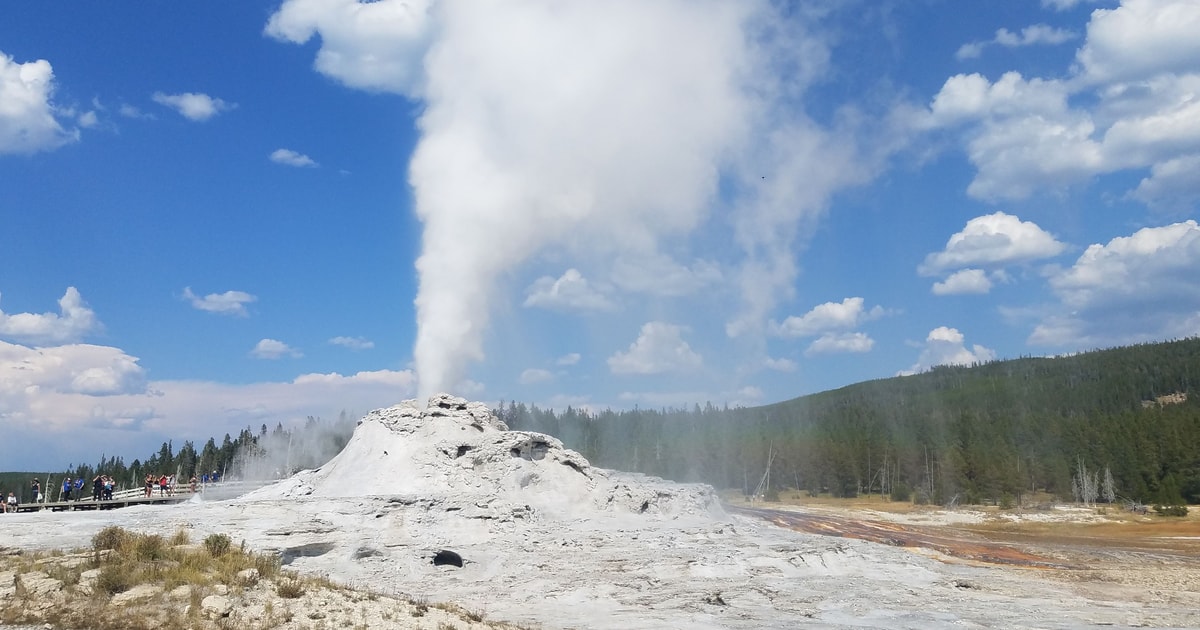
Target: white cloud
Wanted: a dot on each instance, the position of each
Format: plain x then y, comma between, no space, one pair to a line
292,158
1128,103
849,313
27,115
535,375
27,373
837,343
227,303
1141,39
964,282
74,397
131,111
353,343
192,105
946,346
994,240
374,46
274,349
659,348
569,292
568,359
1063,5
780,364
1134,288
73,321
658,274
1172,185
88,119
1033,35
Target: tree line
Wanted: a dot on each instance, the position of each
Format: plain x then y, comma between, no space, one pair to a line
973,434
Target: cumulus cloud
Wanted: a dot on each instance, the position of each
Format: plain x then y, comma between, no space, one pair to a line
659,348
780,364
830,316
353,343
73,321
568,359
289,157
947,346
28,373
27,116
535,375
1172,185
227,303
1033,35
994,240
1127,103
1134,288
837,343
373,46
571,291
964,282
192,105
274,349
97,395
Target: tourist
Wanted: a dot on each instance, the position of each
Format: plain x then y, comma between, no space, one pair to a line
149,485
35,491
192,483
11,504
66,489
97,487
162,485
108,488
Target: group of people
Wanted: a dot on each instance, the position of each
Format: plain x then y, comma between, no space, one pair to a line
102,488
11,503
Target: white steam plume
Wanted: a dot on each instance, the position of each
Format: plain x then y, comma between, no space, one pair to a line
592,127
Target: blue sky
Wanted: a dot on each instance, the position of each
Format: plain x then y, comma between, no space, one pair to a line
242,213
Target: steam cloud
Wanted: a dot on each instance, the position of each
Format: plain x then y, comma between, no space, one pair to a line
596,130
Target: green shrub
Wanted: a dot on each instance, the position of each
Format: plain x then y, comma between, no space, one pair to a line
901,492
289,589
116,578
1171,510
217,544
111,538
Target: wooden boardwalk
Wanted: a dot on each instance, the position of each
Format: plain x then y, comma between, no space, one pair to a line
136,496
115,502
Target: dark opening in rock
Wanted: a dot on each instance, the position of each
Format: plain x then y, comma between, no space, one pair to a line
463,450
446,556
645,506
310,550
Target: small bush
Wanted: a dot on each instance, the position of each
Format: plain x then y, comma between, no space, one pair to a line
150,547
289,589
180,537
217,544
901,492
1007,502
111,538
1171,510
115,578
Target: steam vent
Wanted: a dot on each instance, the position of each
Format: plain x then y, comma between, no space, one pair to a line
459,454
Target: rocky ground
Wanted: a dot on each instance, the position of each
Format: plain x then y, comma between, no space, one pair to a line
548,541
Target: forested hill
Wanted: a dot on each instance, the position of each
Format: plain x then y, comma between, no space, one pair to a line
983,433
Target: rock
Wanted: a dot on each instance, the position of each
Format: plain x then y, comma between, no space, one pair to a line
182,591
87,581
248,576
216,606
38,584
135,594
